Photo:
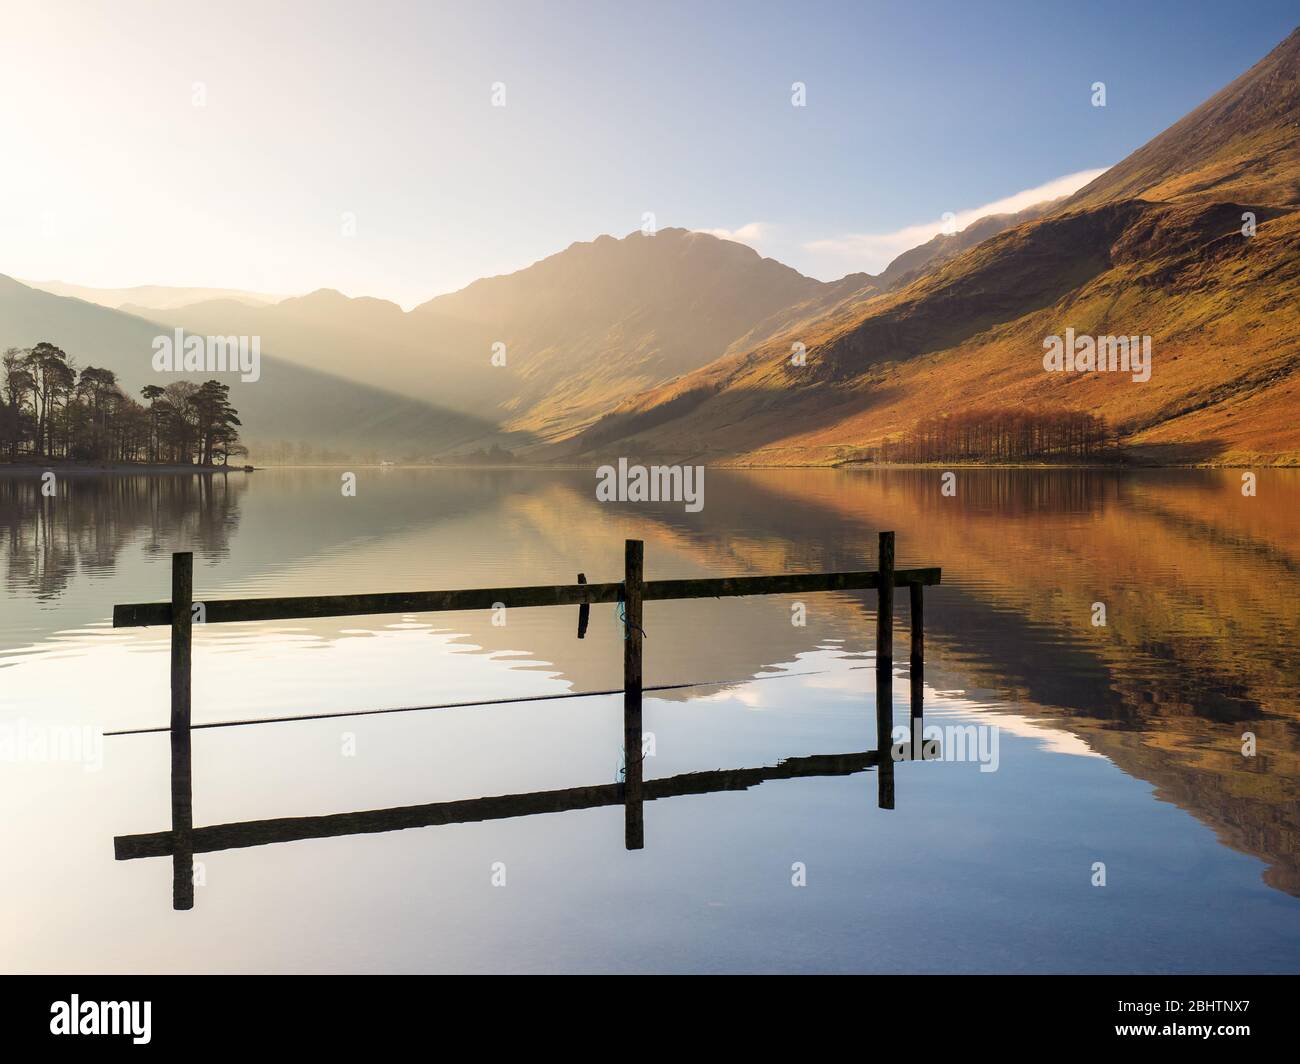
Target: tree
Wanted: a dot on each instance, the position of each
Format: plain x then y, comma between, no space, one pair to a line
179,426
50,410
216,418
226,445
98,389
153,393
52,377
1001,434
18,384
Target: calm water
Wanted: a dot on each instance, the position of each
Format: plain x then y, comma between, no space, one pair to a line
1119,744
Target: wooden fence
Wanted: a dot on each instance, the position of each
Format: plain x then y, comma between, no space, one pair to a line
631,593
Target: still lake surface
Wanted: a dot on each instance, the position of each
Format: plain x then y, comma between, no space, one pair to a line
1120,744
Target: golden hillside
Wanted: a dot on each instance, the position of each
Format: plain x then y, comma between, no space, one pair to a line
1159,246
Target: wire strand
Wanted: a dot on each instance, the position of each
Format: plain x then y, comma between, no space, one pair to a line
456,705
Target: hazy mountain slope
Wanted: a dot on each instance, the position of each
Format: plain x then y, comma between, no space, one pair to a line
582,328
1240,144
288,402
939,249
151,296
366,340
1221,308
585,327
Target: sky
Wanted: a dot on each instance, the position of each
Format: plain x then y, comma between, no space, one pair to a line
284,147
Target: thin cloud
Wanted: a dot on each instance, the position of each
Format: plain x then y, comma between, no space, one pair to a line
749,234
874,251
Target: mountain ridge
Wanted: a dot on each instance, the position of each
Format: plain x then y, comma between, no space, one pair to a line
1218,297
289,401
680,342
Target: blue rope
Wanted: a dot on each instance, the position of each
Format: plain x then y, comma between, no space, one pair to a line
627,626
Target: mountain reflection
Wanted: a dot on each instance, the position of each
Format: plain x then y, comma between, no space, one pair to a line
1198,583
1198,648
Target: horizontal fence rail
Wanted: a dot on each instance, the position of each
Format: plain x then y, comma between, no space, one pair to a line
218,611
476,810
632,593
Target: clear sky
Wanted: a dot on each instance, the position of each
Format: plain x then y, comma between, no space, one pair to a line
111,175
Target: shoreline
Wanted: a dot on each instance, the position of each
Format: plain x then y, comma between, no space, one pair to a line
83,470
117,469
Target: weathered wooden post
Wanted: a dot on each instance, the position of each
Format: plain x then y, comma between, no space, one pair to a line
182,821
182,632
917,670
885,670
182,778
633,584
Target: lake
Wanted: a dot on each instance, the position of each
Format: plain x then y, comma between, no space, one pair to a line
1159,749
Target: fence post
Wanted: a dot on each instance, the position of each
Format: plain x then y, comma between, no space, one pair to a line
633,581
917,670
182,782
885,670
182,623
182,821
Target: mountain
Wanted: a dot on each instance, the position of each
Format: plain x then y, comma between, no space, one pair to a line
289,402
924,258
366,340
150,296
1220,306
585,327
581,329
680,343
1240,144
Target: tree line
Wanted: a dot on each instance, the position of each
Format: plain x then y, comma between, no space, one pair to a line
51,409
1002,434
295,452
